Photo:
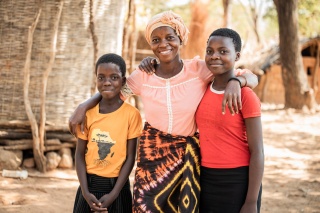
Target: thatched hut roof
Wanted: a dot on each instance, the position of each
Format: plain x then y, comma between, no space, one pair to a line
266,58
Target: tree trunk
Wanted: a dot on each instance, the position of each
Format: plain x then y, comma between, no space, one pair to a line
127,31
39,157
316,71
297,91
95,47
226,12
133,40
198,30
253,16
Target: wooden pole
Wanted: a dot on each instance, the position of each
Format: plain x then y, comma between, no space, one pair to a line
46,76
39,157
95,47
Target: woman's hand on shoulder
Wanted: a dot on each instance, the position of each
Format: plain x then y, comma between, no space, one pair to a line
232,97
148,65
247,78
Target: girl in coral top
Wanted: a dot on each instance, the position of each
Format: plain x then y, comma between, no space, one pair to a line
232,158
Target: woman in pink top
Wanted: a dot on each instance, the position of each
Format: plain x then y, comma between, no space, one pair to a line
168,166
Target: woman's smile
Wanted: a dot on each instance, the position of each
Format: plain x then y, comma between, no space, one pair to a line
165,52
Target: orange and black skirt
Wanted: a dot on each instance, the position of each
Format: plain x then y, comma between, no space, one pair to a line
167,174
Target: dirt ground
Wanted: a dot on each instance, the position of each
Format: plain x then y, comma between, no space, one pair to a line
291,180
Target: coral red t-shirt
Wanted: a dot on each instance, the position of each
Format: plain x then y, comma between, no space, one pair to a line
223,138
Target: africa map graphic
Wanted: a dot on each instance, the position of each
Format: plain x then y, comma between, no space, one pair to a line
105,143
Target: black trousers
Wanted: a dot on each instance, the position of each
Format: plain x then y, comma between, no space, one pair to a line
100,186
224,190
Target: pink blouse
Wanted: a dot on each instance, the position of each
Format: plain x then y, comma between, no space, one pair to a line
170,104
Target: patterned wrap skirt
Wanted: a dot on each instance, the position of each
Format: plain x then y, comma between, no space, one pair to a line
100,186
168,173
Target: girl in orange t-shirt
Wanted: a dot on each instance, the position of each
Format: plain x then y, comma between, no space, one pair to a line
106,151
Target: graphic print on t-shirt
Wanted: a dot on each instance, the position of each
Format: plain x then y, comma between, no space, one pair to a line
104,143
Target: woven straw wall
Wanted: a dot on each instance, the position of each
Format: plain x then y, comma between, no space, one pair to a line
70,78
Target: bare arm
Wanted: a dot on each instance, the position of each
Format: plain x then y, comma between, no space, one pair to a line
256,166
82,176
248,79
148,65
79,115
232,94
125,171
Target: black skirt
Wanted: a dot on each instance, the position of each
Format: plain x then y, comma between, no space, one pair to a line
224,190
100,186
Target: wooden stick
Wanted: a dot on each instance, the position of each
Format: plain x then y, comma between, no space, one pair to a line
46,76
25,126
39,158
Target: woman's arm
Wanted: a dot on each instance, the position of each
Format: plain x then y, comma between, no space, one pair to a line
125,171
232,94
148,65
82,176
79,115
256,166
247,78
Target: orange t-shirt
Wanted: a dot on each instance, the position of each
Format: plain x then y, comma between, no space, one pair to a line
107,136
223,138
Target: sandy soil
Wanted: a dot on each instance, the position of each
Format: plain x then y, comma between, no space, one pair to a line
291,181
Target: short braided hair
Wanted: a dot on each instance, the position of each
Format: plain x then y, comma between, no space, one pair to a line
226,32
112,58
